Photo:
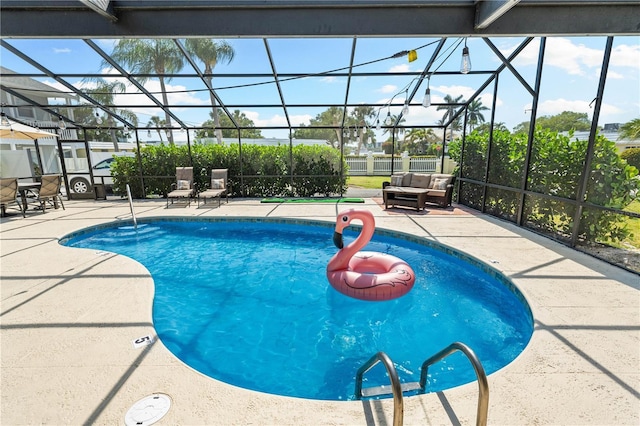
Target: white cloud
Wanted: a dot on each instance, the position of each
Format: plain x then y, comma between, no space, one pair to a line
277,119
556,106
63,50
419,115
177,95
614,75
400,68
107,44
487,100
329,79
575,59
625,56
388,88
297,120
455,91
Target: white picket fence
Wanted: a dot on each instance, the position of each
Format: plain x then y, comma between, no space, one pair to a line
381,166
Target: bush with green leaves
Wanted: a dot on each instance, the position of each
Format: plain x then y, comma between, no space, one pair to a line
316,170
632,157
267,171
556,166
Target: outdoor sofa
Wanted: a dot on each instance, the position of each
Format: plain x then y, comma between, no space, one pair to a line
417,189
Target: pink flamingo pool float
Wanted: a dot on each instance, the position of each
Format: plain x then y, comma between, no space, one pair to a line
366,275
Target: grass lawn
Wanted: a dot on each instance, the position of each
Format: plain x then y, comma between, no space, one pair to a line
633,224
368,182
634,206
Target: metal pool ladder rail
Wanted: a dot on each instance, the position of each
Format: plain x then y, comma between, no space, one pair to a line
133,213
398,389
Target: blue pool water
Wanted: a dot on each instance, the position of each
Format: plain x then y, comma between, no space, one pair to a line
247,302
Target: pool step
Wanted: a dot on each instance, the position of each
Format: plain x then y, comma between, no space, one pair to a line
387,390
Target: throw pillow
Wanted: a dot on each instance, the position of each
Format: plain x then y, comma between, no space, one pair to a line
217,183
184,184
396,180
440,183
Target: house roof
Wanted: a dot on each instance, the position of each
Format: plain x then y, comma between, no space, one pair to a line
30,87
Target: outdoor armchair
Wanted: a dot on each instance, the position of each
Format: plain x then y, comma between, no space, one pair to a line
218,188
183,188
49,192
8,195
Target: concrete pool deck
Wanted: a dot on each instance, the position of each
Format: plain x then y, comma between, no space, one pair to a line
69,318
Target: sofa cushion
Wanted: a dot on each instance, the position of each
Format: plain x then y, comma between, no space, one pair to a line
440,181
396,179
406,180
437,193
420,180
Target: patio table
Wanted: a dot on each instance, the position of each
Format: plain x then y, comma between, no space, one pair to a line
23,187
405,196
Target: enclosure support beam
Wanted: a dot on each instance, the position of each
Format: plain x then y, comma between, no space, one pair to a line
586,171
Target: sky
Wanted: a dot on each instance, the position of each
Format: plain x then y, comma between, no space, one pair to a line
569,81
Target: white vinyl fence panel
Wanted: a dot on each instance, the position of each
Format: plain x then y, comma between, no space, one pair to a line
381,166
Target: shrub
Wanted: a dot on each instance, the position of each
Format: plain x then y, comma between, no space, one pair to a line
556,167
632,157
254,170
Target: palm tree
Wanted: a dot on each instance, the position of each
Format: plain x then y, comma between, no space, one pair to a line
475,116
630,130
104,93
147,57
158,124
419,140
396,131
450,112
358,118
210,53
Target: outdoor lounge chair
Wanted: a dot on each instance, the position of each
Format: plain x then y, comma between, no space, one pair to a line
218,188
8,195
183,188
49,192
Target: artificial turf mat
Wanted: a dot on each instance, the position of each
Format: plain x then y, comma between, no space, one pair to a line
312,200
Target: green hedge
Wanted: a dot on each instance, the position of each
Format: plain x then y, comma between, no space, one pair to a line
632,157
265,171
556,167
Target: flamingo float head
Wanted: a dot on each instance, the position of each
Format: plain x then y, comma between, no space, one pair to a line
344,219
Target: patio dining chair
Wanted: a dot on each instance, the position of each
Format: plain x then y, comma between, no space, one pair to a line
184,187
218,188
49,192
8,195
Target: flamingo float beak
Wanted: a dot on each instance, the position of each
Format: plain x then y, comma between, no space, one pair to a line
337,240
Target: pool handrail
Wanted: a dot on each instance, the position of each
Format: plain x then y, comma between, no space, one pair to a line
483,385
398,404
133,213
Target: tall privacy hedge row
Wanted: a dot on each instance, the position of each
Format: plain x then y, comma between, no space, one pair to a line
556,166
265,171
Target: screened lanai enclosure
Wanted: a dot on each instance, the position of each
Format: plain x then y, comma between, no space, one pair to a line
531,103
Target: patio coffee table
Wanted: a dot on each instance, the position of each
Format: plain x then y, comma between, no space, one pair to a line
405,196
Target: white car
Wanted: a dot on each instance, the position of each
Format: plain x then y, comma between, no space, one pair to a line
101,175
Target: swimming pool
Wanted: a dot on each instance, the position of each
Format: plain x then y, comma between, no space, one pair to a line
246,301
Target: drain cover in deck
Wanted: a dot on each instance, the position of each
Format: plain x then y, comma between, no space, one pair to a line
148,410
